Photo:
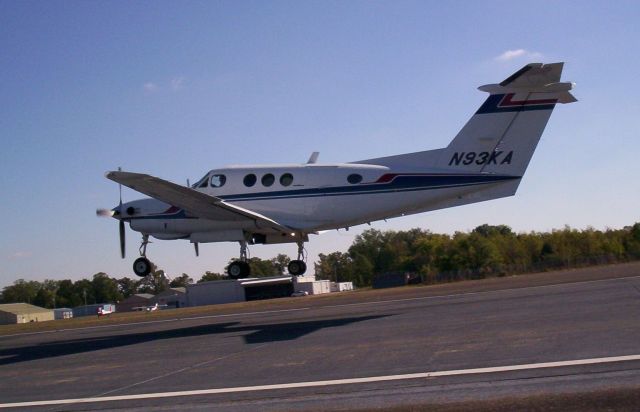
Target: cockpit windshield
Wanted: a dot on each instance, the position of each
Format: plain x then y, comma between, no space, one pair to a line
202,182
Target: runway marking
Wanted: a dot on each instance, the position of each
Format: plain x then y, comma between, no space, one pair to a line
334,382
266,312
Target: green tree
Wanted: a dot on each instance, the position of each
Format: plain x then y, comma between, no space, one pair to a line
65,295
336,266
154,283
127,287
209,276
83,293
280,263
181,281
21,291
105,289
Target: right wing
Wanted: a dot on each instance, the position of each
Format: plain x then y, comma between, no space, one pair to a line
196,203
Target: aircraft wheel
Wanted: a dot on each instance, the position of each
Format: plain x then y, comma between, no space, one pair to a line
238,270
142,267
297,267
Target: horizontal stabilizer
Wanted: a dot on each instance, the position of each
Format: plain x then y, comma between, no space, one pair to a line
535,78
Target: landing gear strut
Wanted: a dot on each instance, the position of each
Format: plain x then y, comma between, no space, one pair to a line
298,267
240,269
142,265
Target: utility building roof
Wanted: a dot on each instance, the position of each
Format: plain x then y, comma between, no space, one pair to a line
21,308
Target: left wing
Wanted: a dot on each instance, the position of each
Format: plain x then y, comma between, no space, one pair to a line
196,203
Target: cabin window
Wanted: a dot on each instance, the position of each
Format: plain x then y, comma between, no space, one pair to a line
268,179
250,180
286,179
218,180
354,178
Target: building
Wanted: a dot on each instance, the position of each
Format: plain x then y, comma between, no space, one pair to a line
341,286
23,313
171,298
229,291
134,302
312,286
62,313
92,310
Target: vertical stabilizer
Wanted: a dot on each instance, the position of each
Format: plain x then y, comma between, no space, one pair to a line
503,133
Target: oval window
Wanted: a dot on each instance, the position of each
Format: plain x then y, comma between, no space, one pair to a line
218,180
286,179
268,179
250,180
354,178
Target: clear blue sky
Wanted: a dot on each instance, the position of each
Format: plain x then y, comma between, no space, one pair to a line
177,88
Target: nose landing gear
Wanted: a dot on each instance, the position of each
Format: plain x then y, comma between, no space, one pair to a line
142,265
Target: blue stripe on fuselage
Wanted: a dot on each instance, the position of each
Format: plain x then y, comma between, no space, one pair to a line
400,183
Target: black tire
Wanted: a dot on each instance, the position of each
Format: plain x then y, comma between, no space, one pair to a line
142,267
246,270
238,270
297,267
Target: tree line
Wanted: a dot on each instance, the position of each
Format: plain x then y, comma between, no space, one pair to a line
102,288
485,251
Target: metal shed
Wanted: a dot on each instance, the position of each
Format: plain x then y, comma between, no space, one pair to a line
23,313
63,313
135,301
228,291
171,298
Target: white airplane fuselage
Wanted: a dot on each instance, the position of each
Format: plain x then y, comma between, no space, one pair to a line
319,197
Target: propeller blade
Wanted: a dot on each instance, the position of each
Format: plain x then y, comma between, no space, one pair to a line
121,226
120,189
104,213
195,245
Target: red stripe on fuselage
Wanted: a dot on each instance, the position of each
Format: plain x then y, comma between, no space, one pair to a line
386,178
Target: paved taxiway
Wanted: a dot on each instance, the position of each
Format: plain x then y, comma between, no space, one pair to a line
384,343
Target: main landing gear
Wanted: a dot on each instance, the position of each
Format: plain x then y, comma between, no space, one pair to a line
240,269
142,265
298,267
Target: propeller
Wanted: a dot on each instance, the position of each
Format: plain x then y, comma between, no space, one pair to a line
122,242
121,222
112,213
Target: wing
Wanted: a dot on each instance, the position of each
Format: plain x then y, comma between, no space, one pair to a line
196,203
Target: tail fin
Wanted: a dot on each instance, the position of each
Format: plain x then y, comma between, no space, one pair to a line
503,134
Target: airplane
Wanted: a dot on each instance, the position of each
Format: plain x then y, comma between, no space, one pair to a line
285,203
105,310
152,308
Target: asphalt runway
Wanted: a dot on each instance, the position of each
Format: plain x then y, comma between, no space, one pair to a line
575,337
